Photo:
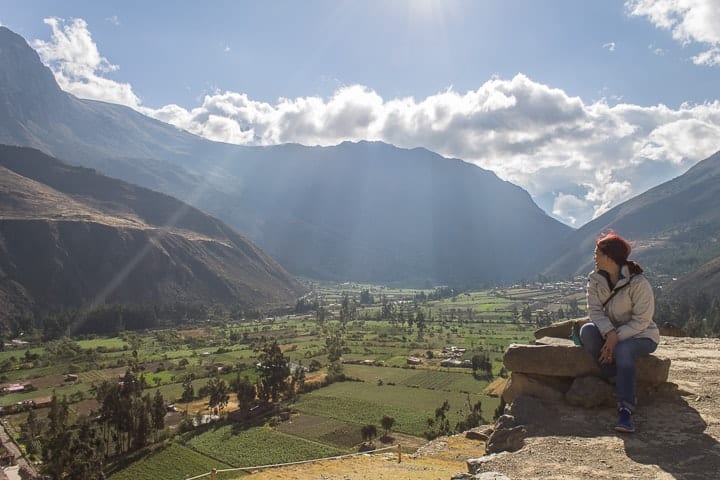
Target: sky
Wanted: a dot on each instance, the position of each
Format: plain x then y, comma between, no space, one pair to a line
583,104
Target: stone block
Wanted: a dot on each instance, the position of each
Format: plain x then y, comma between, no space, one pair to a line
479,433
530,410
591,392
560,329
539,386
554,341
574,361
506,440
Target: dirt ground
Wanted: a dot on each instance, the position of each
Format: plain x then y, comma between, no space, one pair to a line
678,437
439,460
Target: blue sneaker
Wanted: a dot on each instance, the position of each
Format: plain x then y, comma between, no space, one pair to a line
624,422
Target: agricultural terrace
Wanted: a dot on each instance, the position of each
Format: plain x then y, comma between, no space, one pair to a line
376,338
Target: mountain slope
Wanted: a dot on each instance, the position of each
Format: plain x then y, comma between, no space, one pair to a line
70,237
675,226
365,211
371,211
705,279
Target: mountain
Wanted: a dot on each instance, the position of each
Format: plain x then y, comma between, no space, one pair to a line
72,238
357,211
705,279
675,226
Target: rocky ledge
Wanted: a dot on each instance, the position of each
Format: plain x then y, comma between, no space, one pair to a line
559,416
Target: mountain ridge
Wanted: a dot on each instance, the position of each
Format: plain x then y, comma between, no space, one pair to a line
356,211
674,226
71,238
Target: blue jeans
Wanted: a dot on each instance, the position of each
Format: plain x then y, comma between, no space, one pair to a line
623,369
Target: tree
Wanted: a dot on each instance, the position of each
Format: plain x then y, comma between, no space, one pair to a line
527,313
481,362
188,390
440,423
476,362
334,344
219,394
473,418
55,454
297,380
420,322
30,432
158,412
86,449
388,309
368,432
139,426
348,309
573,309
274,370
366,297
320,314
387,424
245,392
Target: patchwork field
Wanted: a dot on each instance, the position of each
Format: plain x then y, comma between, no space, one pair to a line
324,422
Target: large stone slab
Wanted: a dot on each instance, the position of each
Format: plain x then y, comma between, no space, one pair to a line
575,361
560,329
554,341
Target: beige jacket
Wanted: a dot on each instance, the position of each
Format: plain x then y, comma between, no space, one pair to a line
629,312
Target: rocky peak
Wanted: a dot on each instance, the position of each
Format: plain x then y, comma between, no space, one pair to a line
24,80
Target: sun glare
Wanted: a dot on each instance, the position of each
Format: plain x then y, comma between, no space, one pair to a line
422,13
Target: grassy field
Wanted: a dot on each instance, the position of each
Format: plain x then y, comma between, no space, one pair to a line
173,462
257,446
362,403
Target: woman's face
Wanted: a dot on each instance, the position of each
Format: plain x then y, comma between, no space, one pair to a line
602,261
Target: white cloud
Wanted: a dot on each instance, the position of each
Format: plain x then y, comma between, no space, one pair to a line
571,207
656,50
690,21
114,20
577,159
610,46
78,66
226,49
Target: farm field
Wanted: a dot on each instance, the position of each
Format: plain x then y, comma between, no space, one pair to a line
362,404
257,446
173,462
327,421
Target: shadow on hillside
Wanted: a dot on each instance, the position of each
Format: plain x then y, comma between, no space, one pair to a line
670,433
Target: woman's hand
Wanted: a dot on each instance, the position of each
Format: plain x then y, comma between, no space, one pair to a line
607,352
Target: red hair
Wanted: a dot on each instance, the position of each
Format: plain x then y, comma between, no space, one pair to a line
618,249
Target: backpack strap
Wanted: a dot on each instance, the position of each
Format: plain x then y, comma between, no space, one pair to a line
614,292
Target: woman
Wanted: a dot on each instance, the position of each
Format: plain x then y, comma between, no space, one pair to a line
620,306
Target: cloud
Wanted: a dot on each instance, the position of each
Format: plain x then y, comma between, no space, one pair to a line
78,66
114,20
226,49
571,208
656,50
610,46
577,160
689,21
